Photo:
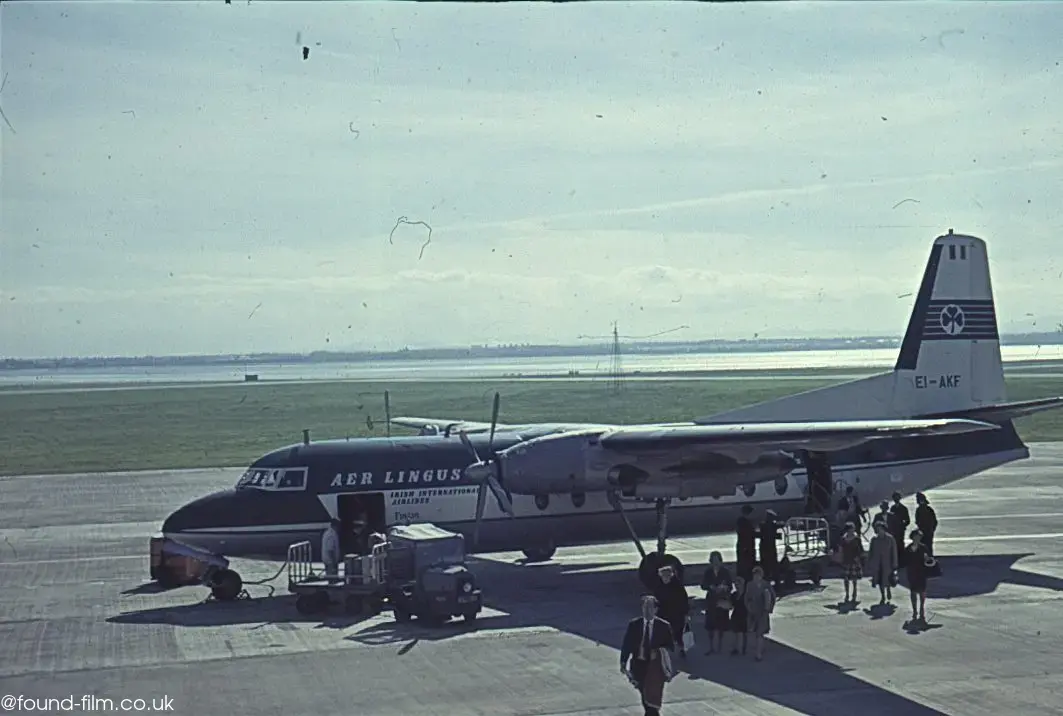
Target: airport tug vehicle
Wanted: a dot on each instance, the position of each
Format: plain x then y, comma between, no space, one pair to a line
418,569
174,564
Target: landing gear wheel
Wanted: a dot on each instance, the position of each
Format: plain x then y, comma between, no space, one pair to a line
540,553
654,561
226,585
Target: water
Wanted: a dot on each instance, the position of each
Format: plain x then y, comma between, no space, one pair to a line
492,368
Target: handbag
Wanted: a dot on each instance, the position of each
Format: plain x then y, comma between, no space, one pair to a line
688,636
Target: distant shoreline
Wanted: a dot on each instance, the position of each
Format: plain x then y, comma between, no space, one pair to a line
709,347
1015,370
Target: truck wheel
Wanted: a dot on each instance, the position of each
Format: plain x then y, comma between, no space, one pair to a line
815,573
322,601
305,604
402,616
353,604
470,617
226,585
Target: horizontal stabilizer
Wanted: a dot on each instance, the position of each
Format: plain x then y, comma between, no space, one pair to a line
1005,411
755,438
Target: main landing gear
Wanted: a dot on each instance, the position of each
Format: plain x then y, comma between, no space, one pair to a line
651,561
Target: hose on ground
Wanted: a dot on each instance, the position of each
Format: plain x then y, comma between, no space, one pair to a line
263,582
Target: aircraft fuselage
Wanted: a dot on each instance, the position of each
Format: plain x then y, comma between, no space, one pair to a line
290,494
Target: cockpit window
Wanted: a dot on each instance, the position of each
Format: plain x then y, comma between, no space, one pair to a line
276,479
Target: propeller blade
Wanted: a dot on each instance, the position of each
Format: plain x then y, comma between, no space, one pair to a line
481,503
500,495
468,445
387,411
494,421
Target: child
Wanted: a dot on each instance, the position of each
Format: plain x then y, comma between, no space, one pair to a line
739,619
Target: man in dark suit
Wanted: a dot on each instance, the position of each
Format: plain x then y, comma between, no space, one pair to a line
644,640
746,544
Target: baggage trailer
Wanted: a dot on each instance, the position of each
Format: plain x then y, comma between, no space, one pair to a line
806,550
419,570
362,586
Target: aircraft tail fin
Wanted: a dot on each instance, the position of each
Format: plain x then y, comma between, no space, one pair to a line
949,361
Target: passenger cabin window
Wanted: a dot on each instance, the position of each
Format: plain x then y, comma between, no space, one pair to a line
276,479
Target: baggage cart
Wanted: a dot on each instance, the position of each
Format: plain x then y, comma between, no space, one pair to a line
806,550
361,586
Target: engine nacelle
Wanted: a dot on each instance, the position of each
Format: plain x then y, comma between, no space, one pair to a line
574,463
550,465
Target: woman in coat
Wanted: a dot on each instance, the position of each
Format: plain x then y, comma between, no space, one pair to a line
760,603
917,566
717,585
882,561
852,548
673,604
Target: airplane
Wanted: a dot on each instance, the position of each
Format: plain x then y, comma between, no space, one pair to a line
940,415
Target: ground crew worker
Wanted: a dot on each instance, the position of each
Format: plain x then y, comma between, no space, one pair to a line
926,520
359,536
645,642
746,546
769,554
673,604
882,562
897,522
852,559
330,549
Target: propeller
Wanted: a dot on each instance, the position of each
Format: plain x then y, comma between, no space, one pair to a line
387,412
488,472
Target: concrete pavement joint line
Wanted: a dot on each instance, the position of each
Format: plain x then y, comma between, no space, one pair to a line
572,557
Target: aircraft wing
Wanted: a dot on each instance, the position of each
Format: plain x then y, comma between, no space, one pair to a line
441,424
751,439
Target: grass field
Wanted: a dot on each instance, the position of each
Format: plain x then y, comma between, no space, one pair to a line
181,427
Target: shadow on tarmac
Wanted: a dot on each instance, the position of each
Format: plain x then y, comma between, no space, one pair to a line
594,601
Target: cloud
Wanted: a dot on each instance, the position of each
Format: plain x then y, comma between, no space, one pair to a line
736,169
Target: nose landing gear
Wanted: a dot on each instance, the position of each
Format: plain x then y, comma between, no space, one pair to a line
651,562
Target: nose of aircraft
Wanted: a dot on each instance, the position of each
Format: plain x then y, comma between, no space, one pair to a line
213,510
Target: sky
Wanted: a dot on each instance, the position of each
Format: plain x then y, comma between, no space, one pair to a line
177,179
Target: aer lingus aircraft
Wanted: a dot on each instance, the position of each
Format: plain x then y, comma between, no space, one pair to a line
940,415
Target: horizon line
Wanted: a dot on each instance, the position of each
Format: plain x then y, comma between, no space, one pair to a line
583,347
